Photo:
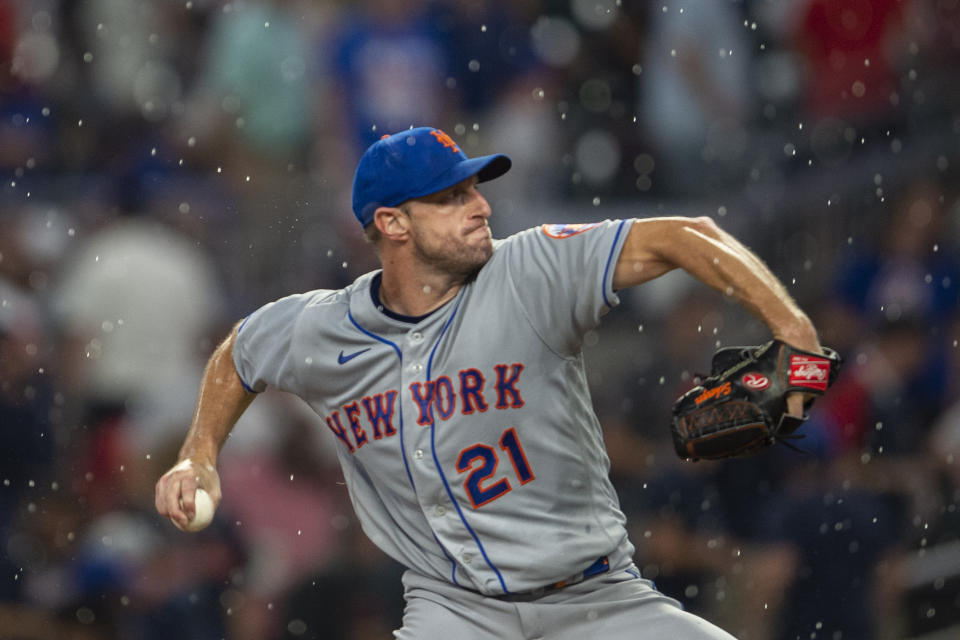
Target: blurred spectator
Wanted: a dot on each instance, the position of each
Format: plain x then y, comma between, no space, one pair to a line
281,483
610,153
853,52
872,485
486,46
136,302
910,271
27,439
355,596
389,64
695,95
258,86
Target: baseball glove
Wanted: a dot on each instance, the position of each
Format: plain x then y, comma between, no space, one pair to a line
741,408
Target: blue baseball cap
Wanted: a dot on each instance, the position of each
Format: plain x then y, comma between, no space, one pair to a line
413,164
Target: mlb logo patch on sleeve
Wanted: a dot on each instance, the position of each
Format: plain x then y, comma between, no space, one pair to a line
561,231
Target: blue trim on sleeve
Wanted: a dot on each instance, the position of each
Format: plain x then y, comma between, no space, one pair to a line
436,461
607,271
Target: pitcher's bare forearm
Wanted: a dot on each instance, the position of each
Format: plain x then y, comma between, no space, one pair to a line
698,246
220,403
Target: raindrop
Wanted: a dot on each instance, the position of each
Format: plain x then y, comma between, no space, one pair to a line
644,164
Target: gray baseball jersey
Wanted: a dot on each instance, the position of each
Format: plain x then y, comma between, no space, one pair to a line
467,438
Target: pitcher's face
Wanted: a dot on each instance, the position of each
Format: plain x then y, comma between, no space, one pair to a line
450,231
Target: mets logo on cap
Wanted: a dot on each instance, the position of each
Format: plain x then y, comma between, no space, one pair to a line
445,140
561,231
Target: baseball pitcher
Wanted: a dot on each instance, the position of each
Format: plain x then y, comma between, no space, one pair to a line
453,384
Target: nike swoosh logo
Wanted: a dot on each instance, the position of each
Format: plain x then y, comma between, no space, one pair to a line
342,359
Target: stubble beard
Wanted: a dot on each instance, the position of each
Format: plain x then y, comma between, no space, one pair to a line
457,259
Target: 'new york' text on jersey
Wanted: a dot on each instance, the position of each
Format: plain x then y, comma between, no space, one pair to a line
467,440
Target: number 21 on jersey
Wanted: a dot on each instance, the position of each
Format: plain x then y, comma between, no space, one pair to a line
481,462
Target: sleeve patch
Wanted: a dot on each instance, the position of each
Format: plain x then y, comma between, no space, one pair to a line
561,231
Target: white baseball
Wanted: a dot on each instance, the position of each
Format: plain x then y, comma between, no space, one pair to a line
204,512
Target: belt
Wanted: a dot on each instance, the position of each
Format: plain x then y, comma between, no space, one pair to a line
600,565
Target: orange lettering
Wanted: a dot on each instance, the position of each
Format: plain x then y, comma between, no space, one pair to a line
445,140
716,392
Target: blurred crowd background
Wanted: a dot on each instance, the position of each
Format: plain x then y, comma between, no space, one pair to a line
170,165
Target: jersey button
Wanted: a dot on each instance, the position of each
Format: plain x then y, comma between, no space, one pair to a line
416,336
467,558
416,367
418,454
440,510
